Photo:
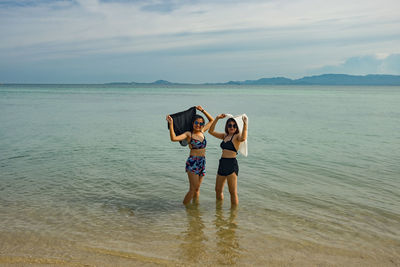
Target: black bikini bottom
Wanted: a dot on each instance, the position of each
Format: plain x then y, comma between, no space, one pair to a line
228,166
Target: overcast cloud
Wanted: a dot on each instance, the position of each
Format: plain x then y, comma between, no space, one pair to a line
91,41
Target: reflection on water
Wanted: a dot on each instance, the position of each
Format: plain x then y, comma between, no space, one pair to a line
227,241
194,247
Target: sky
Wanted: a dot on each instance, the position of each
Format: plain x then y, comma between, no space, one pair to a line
193,41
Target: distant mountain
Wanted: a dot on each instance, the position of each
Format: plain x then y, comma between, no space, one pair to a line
158,82
266,81
324,79
162,82
327,79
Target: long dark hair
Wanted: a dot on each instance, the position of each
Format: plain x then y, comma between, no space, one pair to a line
226,126
195,117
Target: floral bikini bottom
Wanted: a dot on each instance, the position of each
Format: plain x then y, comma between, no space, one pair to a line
196,165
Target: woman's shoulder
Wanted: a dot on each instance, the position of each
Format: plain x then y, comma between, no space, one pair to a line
203,132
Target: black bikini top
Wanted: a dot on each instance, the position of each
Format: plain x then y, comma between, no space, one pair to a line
228,145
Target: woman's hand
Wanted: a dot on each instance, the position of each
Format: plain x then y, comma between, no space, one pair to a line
244,118
221,116
169,119
200,108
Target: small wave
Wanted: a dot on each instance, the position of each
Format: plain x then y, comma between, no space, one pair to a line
132,256
31,260
17,157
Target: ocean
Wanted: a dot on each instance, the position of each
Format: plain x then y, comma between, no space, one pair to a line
89,177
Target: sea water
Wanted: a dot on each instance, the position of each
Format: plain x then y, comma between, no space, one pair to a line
89,176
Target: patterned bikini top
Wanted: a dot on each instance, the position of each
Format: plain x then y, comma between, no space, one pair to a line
197,144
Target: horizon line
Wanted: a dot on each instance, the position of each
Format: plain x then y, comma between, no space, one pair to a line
231,82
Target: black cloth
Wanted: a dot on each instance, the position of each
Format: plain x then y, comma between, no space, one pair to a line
183,122
228,166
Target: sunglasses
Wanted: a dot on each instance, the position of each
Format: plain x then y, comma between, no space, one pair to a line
230,125
201,123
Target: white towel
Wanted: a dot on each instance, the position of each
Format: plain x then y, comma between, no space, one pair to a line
239,122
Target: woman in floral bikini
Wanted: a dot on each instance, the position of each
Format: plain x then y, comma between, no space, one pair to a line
195,164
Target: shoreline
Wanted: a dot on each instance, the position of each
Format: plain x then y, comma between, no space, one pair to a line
38,249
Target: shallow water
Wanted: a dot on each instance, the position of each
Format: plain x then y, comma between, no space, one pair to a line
88,176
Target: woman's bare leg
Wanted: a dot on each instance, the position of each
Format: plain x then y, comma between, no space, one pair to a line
194,185
219,187
197,193
232,184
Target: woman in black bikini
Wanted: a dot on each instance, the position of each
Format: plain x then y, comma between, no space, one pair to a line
195,164
228,168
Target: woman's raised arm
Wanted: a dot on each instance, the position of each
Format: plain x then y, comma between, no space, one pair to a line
209,117
212,127
172,134
243,136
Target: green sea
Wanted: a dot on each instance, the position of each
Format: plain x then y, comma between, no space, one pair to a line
89,177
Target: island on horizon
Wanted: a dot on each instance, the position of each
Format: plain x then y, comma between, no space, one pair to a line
323,79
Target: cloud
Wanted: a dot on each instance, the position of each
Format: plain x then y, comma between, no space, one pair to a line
257,38
369,64
391,64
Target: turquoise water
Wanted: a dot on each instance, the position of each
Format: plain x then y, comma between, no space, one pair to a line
88,175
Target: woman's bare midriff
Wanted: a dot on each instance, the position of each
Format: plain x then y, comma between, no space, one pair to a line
198,152
228,154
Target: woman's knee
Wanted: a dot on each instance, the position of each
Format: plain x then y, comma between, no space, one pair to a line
218,189
233,191
218,193
194,188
